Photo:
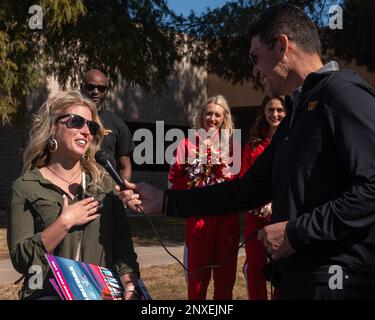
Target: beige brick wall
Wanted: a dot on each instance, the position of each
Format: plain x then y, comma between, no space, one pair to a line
245,95
240,95
186,90
174,104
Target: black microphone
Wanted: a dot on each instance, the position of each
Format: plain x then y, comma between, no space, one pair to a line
102,158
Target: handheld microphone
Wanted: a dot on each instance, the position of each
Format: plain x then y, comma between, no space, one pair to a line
102,158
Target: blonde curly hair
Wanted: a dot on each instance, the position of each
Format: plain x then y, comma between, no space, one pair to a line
37,153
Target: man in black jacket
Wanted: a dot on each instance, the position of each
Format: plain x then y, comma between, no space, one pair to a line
118,140
318,171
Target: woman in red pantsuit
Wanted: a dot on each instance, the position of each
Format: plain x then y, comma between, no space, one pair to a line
200,160
269,117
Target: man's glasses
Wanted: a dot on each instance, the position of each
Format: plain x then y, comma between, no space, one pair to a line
270,44
91,87
77,122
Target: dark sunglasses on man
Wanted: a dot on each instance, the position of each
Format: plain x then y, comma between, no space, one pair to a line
270,44
77,122
91,87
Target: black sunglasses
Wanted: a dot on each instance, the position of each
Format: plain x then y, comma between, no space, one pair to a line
91,87
270,44
77,122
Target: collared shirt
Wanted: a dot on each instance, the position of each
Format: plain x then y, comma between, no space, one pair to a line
36,203
330,66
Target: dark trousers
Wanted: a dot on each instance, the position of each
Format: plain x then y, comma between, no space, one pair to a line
292,288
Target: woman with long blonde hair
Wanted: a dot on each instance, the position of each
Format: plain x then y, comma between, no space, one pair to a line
200,161
63,203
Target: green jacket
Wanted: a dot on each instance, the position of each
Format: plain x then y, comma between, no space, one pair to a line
36,203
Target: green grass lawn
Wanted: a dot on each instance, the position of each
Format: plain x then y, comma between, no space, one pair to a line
169,277
166,282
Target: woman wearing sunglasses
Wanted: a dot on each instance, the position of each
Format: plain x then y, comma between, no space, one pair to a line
63,203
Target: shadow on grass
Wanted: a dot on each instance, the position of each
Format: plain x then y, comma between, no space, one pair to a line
168,277
170,230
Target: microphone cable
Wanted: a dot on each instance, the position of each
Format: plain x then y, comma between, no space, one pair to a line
103,159
213,266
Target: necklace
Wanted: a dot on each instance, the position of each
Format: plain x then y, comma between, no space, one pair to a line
67,181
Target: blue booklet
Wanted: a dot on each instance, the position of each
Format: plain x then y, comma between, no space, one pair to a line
77,280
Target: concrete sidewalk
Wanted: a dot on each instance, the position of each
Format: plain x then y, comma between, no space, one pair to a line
147,256
7,274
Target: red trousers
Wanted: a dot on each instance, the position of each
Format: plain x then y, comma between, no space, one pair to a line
256,258
212,241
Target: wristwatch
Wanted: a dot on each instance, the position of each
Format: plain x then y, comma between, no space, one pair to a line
134,289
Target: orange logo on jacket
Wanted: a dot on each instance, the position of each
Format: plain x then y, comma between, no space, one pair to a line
312,105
